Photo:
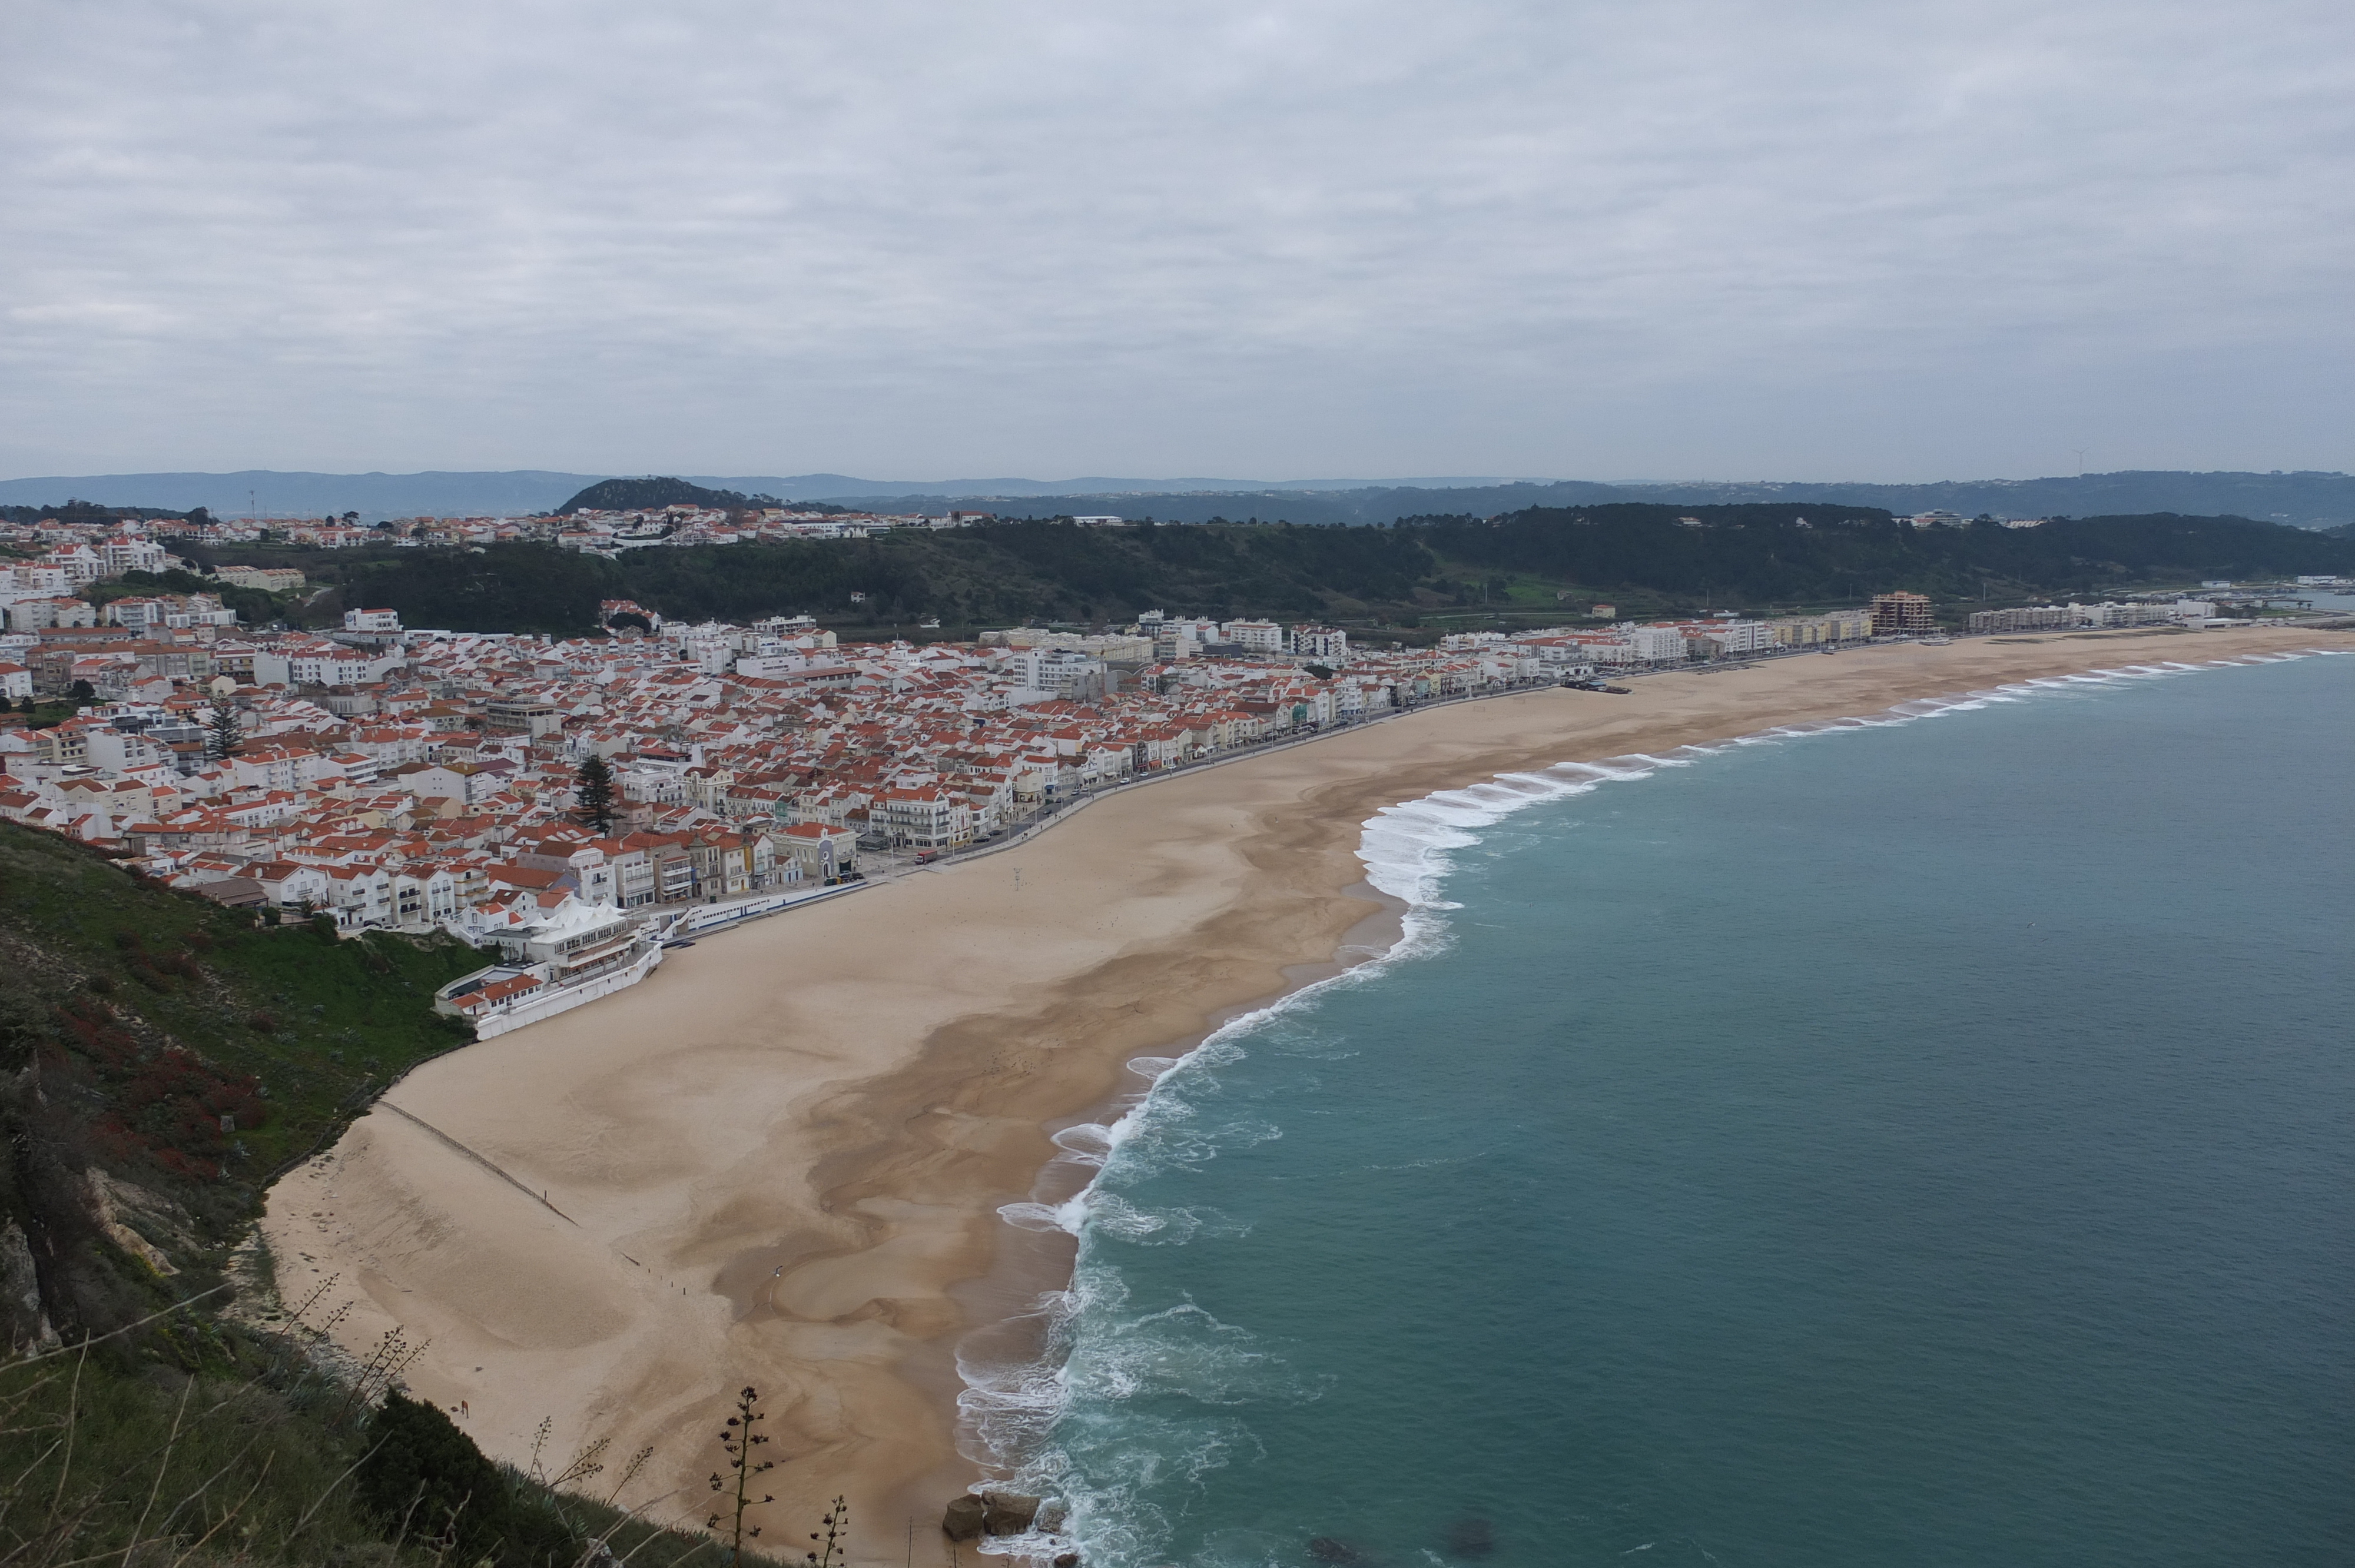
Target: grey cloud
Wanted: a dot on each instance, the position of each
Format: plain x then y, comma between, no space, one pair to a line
1689,237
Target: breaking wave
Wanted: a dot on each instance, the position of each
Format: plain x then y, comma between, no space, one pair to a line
1117,1404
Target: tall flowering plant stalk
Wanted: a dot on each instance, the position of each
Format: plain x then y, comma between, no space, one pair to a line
739,1443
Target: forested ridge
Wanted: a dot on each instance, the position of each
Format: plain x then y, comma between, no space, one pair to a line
1754,556
1003,573
1763,554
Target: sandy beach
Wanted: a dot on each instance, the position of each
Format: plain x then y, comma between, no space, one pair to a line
777,1162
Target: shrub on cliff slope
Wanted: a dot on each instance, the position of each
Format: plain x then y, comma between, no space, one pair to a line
160,1059
424,1477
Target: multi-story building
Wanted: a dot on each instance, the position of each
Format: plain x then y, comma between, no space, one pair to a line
1255,636
2055,617
1895,614
46,613
1732,638
1656,644
730,862
926,819
128,553
1063,670
270,579
1808,631
522,715
1326,644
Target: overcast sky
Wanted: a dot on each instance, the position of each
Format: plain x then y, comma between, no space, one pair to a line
1679,239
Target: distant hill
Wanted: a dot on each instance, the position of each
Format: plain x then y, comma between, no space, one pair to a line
2299,499
273,493
523,492
1365,504
2305,500
839,486
2308,500
639,494
72,510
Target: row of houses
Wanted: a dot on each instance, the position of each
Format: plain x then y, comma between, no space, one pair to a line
2056,616
388,777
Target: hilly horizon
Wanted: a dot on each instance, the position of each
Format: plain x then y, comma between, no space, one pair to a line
2311,499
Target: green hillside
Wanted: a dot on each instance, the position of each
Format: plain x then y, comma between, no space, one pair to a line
1786,552
183,1048
1636,555
161,1059
638,495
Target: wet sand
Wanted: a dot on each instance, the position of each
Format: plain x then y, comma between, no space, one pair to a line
777,1161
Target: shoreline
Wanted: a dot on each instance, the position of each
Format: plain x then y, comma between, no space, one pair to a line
1009,1310
786,1159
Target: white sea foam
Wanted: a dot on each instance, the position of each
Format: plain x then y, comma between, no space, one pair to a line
1015,1414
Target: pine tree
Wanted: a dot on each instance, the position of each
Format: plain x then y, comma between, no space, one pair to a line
592,794
223,737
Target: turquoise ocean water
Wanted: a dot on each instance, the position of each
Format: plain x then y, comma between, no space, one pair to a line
1932,1143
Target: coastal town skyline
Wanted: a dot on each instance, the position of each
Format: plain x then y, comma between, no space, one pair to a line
380,777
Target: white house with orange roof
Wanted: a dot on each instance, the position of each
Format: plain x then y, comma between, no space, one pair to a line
359,895
823,854
930,819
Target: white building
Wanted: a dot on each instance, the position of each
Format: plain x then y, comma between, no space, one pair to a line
1326,644
764,666
928,819
1730,638
42,614
1064,671
139,614
1656,644
1258,636
321,664
80,563
124,554
122,751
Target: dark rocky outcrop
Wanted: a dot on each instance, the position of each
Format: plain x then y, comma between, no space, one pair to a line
1009,1514
1325,1549
989,1513
23,1324
963,1522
